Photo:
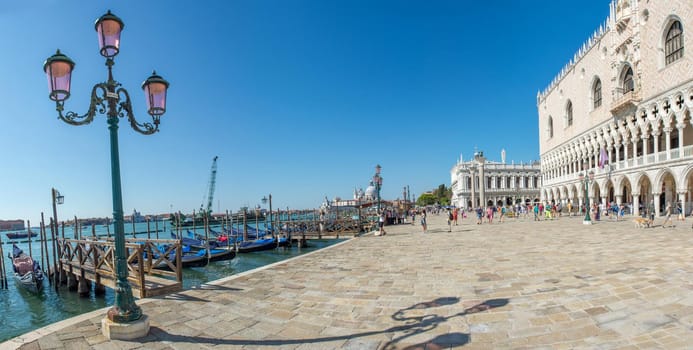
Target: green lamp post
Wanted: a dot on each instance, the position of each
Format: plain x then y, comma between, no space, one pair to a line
264,201
378,182
111,99
586,183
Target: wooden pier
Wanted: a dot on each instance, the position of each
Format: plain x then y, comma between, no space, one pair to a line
85,261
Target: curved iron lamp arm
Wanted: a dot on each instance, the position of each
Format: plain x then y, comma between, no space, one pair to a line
96,105
125,107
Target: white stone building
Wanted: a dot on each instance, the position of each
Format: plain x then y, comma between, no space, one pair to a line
628,91
480,181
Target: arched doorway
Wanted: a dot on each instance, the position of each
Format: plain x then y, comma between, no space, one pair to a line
597,193
645,197
626,194
668,192
573,194
688,201
610,192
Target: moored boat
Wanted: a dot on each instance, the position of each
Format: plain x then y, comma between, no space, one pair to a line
257,245
27,272
20,235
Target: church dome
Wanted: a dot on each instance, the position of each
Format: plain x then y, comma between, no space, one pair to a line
370,191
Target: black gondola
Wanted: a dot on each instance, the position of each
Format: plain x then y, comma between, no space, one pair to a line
27,271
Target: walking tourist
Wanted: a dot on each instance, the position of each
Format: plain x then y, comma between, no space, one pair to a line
570,209
450,218
381,223
667,216
454,215
479,214
423,220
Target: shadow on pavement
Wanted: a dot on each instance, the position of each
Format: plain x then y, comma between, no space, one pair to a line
412,326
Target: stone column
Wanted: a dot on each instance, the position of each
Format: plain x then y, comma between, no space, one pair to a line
625,153
482,186
667,132
656,201
635,152
618,166
680,127
636,204
619,199
644,149
473,189
655,136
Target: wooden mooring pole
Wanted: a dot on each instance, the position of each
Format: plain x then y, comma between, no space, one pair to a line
45,250
3,273
54,241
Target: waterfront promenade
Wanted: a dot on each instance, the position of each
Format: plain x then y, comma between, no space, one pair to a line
519,284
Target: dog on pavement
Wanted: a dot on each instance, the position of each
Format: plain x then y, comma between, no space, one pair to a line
642,222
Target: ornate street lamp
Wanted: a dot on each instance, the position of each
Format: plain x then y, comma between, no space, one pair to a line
586,181
264,201
378,182
124,320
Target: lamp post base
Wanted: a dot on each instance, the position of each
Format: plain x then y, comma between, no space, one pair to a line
587,222
125,331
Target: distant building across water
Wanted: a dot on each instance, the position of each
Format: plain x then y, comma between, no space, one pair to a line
11,225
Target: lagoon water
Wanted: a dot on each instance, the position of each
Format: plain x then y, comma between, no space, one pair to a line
22,311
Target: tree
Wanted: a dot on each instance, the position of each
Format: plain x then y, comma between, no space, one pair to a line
443,194
426,199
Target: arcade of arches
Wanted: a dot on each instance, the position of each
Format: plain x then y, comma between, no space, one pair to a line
642,192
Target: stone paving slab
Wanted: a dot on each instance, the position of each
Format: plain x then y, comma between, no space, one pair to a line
514,285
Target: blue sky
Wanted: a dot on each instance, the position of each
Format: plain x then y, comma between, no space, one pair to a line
300,99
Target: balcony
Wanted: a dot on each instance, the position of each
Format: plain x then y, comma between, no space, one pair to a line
625,101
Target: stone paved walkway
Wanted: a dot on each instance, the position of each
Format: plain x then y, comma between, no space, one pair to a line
519,284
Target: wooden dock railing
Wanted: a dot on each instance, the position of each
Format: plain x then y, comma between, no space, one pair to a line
94,260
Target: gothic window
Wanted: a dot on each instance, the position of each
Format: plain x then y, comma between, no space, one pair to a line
597,93
550,127
569,113
628,84
673,46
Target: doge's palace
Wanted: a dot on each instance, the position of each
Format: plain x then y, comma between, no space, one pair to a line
621,108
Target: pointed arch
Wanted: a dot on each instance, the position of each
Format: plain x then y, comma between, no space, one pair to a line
661,174
638,179
596,93
627,81
550,126
673,42
569,113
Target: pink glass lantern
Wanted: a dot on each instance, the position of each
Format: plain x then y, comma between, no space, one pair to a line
108,28
155,88
58,70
